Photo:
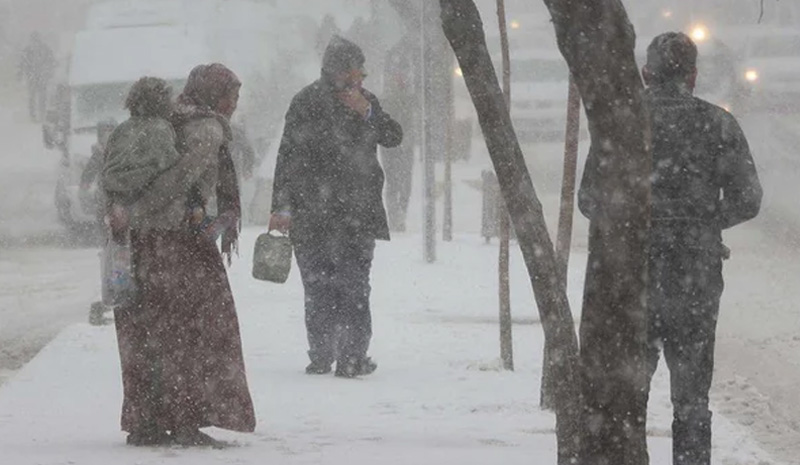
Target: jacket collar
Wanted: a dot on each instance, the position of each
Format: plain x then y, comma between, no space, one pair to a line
672,89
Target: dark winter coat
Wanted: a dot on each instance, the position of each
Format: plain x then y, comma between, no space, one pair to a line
704,179
327,173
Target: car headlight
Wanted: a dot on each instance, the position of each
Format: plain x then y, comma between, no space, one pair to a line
751,75
700,33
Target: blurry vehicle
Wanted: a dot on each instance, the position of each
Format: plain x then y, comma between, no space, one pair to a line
135,13
772,68
539,81
539,87
105,63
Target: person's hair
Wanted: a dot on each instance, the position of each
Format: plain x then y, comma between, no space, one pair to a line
148,97
342,55
208,85
671,56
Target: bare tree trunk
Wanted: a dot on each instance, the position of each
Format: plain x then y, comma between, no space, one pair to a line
506,324
464,29
597,41
566,212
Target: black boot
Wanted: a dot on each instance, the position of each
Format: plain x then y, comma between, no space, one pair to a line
318,368
193,437
352,367
149,437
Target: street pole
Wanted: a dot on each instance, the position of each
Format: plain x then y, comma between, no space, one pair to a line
429,11
506,325
447,221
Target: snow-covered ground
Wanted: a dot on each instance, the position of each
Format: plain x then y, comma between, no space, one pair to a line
437,397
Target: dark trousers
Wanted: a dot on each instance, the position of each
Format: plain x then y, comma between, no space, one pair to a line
398,164
685,290
335,271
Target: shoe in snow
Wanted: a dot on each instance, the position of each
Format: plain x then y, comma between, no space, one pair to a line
353,367
149,438
318,368
196,438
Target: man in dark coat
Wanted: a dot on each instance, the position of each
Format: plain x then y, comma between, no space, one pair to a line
704,180
327,191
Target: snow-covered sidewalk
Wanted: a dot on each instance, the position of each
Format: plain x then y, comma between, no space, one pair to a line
436,398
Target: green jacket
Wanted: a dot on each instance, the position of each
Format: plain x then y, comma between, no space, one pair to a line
137,152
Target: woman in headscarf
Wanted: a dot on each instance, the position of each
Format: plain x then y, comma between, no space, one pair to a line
180,345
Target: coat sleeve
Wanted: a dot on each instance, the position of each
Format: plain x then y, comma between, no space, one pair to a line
741,189
301,133
390,133
203,142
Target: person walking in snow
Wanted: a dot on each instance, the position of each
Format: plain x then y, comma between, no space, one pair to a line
400,97
179,341
37,67
703,181
328,193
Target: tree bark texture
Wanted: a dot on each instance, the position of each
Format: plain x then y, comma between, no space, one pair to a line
464,29
597,40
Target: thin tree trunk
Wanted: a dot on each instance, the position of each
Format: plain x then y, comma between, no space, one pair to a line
429,145
597,40
506,324
464,30
566,212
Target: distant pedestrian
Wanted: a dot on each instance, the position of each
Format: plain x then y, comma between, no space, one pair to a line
37,67
400,97
703,181
328,194
181,352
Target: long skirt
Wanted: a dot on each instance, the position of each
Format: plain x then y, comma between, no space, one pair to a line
179,341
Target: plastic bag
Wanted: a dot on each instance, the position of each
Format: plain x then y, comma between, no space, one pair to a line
119,284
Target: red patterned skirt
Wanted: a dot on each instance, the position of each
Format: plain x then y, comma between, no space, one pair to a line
179,343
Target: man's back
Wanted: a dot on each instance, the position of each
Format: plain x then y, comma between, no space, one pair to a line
704,178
